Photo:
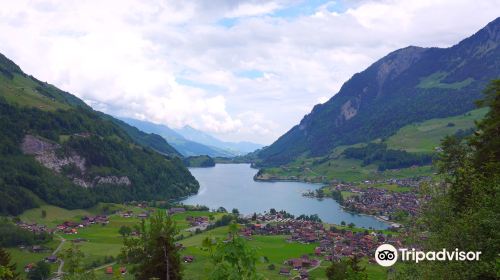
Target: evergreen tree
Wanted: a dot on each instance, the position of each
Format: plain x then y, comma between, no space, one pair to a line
154,253
40,272
8,268
234,259
464,211
346,269
73,260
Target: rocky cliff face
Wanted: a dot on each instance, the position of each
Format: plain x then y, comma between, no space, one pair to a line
409,85
45,153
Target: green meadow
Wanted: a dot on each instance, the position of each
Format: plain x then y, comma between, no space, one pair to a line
103,241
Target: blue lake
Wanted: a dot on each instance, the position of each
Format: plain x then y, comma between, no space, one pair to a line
232,186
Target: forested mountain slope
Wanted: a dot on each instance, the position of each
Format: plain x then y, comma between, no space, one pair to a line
409,85
55,147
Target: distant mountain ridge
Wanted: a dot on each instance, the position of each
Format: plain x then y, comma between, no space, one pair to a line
409,85
191,142
240,148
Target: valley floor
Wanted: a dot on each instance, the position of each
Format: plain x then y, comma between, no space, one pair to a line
101,244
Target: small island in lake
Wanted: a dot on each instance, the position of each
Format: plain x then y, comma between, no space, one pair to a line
199,161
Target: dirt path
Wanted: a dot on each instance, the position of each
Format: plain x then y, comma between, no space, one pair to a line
59,272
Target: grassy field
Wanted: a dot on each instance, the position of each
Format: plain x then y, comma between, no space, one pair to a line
425,136
275,248
421,137
23,257
23,91
104,241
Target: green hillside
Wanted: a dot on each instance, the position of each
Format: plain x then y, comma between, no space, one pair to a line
56,149
426,136
410,85
418,138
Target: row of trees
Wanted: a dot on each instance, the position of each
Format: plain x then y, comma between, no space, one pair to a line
387,158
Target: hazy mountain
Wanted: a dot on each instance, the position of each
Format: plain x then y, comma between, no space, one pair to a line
238,148
184,146
409,85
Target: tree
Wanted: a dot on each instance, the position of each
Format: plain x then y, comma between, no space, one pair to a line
154,254
346,269
233,260
486,142
73,260
337,270
125,231
235,212
41,271
463,212
8,268
5,273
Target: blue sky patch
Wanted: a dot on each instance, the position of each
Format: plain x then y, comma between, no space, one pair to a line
251,74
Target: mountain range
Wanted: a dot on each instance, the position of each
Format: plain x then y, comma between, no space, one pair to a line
192,142
409,85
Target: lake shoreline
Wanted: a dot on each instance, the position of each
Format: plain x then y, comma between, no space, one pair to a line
232,186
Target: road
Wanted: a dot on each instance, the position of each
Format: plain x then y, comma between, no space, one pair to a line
59,272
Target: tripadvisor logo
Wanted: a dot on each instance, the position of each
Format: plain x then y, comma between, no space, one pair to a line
387,255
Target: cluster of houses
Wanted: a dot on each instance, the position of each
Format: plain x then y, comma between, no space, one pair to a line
30,266
109,270
34,227
333,243
69,227
197,221
175,210
384,203
301,264
401,182
130,214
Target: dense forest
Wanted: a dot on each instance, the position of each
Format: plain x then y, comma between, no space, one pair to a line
108,147
108,150
387,158
199,161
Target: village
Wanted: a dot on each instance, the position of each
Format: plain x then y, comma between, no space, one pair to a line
385,204
333,243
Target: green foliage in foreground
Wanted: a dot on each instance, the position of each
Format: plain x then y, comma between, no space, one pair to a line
346,269
233,259
154,254
41,271
464,211
7,268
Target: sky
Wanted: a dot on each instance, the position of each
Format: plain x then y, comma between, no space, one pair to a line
239,70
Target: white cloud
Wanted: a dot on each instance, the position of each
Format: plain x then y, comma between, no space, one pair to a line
172,62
